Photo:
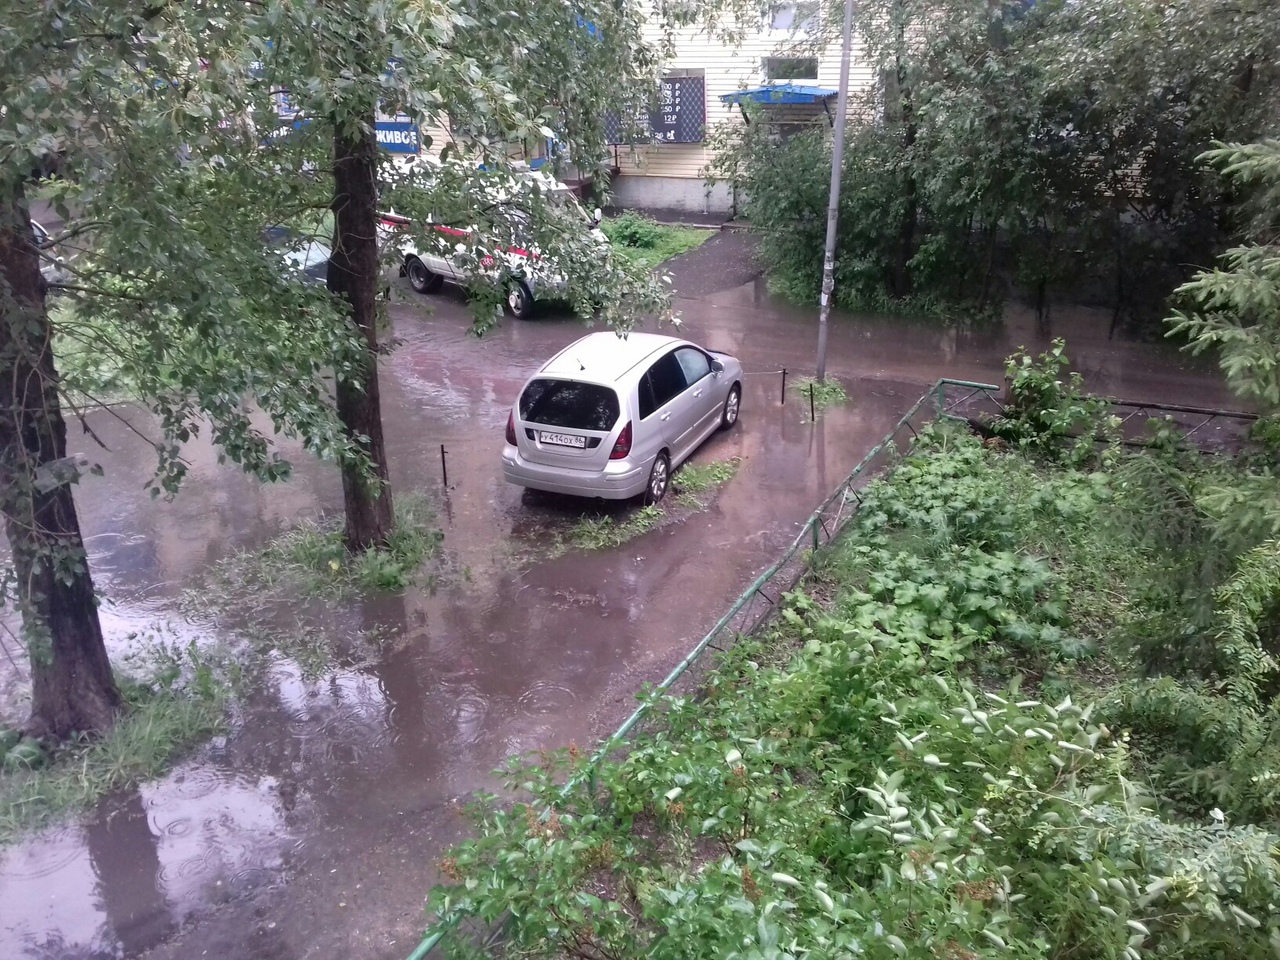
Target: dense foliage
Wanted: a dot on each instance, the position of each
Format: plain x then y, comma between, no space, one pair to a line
165,123
962,737
1236,307
1052,146
644,242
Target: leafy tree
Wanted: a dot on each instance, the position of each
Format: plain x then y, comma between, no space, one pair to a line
167,117
551,68
1235,307
1050,144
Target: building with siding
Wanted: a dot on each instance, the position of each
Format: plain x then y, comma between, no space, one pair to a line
772,65
669,175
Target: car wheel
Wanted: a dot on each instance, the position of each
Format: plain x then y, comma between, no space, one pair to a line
732,403
519,299
420,278
659,480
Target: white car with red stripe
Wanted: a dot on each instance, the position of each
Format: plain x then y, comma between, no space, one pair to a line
451,258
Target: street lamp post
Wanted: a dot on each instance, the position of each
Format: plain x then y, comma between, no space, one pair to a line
833,203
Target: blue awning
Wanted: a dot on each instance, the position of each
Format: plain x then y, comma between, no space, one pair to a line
780,93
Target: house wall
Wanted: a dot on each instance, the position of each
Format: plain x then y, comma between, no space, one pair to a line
670,175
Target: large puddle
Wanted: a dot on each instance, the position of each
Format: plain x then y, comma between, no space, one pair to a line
310,830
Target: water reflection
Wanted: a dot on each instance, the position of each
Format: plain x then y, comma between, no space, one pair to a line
125,854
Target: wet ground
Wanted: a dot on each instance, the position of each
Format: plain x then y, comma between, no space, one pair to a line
310,831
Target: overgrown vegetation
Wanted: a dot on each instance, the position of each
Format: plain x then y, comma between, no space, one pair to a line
692,489
311,559
1024,706
694,483
829,393
605,532
1046,412
645,242
1049,148
180,701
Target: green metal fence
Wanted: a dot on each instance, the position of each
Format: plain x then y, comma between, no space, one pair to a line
950,399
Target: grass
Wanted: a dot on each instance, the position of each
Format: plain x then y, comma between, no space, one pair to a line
692,485
647,243
310,560
602,533
828,393
695,481
180,702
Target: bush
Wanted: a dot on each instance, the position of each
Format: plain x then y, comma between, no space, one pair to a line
1050,417
634,230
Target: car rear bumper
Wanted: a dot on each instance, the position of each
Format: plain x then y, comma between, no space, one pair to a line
621,480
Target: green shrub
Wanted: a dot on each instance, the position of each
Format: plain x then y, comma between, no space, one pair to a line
1050,417
634,230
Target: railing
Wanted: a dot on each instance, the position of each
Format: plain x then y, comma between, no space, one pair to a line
950,399
1208,429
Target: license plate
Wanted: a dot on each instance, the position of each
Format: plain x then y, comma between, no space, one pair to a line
563,440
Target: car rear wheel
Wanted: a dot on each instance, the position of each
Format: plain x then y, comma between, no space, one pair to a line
519,299
732,404
659,480
420,278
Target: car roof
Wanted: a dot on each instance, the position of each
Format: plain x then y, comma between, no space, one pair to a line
605,357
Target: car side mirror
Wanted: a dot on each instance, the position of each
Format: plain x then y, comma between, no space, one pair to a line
717,366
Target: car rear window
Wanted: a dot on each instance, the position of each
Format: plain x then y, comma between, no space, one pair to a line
567,403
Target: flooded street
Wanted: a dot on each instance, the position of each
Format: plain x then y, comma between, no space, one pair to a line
311,829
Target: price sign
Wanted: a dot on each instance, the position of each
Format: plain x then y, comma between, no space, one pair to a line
680,117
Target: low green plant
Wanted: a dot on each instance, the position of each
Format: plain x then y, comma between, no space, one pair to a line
643,241
855,801
695,481
692,486
852,781
631,229
606,532
311,559
827,393
178,701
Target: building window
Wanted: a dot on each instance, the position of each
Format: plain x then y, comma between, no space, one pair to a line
781,69
794,17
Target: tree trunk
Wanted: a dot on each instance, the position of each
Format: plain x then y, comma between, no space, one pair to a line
72,688
907,225
353,275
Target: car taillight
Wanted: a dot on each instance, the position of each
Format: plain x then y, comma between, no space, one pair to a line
622,446
511,429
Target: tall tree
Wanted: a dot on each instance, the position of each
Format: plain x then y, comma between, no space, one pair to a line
1048,142
353,277
556,70
166,116
72,687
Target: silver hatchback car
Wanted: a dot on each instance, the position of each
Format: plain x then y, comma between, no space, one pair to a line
612,417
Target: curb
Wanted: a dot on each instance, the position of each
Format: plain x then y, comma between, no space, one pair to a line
728,226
